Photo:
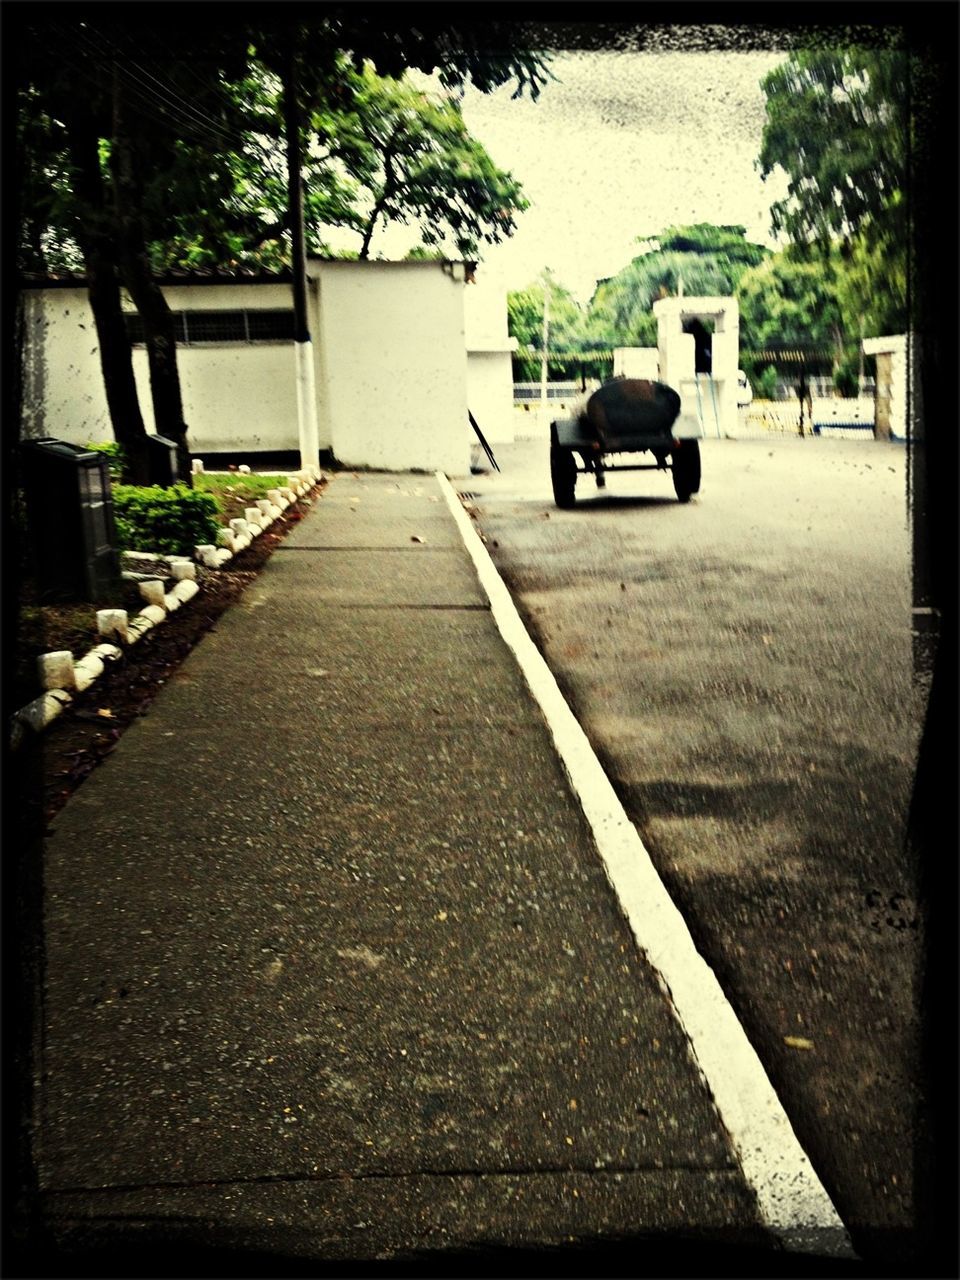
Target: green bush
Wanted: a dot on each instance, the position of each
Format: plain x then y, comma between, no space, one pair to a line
765,383
170,521
846,378
115,455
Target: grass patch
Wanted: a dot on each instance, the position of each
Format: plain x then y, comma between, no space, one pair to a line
237,491
254,486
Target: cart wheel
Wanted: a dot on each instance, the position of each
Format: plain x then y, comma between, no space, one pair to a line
563,474
686,469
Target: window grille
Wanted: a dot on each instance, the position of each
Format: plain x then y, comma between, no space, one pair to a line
192,328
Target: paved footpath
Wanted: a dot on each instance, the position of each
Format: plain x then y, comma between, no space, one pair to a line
333,970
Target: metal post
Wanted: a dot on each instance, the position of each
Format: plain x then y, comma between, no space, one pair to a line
546,339
303,348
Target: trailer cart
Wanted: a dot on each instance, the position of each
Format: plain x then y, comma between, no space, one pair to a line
625,416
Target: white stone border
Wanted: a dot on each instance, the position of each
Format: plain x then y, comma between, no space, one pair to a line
61,676
792,1202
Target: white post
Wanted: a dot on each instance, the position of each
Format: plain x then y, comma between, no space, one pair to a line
546,339
307,405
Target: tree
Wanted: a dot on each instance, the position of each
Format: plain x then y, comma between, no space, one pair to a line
703,260
128,146
837,126
786,301
67,223
871,286
727,246
525,311
158,123
378,150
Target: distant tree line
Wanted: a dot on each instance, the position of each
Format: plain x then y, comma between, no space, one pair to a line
837,126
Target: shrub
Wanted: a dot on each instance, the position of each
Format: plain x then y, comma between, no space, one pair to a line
114,452
846,378
765,384
170,521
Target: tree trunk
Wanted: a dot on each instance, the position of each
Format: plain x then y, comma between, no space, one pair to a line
117,365
367,235
135,270
161,352
389,190
98,246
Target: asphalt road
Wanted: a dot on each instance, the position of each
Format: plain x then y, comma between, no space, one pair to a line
742,665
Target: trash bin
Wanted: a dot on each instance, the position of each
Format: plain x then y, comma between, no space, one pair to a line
69,507
162,460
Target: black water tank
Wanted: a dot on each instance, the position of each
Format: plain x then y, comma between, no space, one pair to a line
72,533
162,460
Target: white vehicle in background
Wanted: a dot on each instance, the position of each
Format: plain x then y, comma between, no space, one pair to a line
744,390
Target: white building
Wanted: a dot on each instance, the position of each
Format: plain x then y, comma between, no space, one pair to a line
636,362
708,400
896,363
394,379
489,361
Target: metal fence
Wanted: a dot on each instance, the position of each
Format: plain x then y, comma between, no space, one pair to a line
527,392
831,417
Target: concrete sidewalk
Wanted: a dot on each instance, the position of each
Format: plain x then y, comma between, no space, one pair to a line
333,970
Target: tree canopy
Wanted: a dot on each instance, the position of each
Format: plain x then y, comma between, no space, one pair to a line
838,127
144,143
525,314
701,259
407,156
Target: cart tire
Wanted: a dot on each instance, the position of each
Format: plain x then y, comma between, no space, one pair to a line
686,470
563,475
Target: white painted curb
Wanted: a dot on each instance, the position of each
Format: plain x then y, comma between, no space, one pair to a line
59,667
793,1203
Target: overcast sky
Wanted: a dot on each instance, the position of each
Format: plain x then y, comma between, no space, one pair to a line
621,146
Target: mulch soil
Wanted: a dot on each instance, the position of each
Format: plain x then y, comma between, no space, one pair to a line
48,767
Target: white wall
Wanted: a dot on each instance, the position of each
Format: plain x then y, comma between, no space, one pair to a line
235,396
636,362
390,362
489,364
490,395
63,392
900,348
715,402
394,364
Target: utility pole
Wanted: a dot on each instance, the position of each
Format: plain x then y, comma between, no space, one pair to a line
303,347
546,340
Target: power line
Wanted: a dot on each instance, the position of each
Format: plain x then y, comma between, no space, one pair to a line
191,121
174,106
245,208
